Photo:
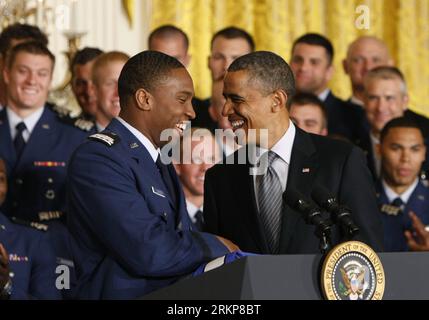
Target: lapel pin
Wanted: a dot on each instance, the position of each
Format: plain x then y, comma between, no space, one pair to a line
305,170
421,197
45,126
158,192
134,145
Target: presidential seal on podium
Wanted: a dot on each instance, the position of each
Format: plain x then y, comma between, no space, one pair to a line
352,271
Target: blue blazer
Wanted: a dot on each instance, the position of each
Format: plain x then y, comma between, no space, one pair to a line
395,225
31,259
130,239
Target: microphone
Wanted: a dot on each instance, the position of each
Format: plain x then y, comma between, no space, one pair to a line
312,215
339,213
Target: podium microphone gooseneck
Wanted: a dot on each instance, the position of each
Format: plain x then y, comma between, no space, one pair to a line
340,214
312,215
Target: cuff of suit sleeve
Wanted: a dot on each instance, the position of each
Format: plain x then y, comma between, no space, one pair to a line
212,247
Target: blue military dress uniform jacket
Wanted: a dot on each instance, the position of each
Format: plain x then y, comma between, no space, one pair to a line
131,238
37,180
31,260
396,220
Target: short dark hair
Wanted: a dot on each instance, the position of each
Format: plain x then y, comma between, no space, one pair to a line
316,39
401,122
302,98
19,31
234,33
144,70
84,56
33,47
167,31
268,69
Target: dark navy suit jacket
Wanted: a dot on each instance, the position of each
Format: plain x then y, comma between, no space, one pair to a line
130,238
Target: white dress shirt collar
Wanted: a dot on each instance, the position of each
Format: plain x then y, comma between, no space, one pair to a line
283,147
324,94
405,196
142,138
192,210
30,122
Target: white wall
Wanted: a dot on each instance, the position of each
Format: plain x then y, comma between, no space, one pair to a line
104,21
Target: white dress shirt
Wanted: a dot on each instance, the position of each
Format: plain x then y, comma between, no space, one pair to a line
283,149
192,210
377,161
405,196
30,122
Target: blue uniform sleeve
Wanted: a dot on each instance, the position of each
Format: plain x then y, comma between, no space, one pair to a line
42,276
105,198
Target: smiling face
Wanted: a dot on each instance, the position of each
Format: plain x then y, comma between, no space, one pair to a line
82,87
171,106
106,90
311,67
205,153
384,101
247,106
402,152
28,80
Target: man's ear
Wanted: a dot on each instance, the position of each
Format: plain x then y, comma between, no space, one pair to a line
330,72
279,100
143,99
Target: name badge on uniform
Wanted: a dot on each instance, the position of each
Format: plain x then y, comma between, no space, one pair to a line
158,192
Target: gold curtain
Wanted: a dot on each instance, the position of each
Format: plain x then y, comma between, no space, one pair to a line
402,24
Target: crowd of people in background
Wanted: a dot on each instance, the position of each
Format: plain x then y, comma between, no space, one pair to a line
89,192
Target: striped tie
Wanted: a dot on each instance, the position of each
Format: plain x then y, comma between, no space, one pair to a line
270,203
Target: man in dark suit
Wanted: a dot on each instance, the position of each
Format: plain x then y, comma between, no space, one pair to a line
311,62
248,208
36,144
128,211
363,55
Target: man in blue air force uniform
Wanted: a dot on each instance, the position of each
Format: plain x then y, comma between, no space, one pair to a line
36,145
127,209
400,192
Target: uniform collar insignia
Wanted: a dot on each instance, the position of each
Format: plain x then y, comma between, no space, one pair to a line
158,192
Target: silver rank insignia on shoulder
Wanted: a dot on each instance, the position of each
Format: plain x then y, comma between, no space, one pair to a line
108,138
50,215
83,124
390,210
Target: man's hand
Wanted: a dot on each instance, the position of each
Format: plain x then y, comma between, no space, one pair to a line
4,267
420,240
229,244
